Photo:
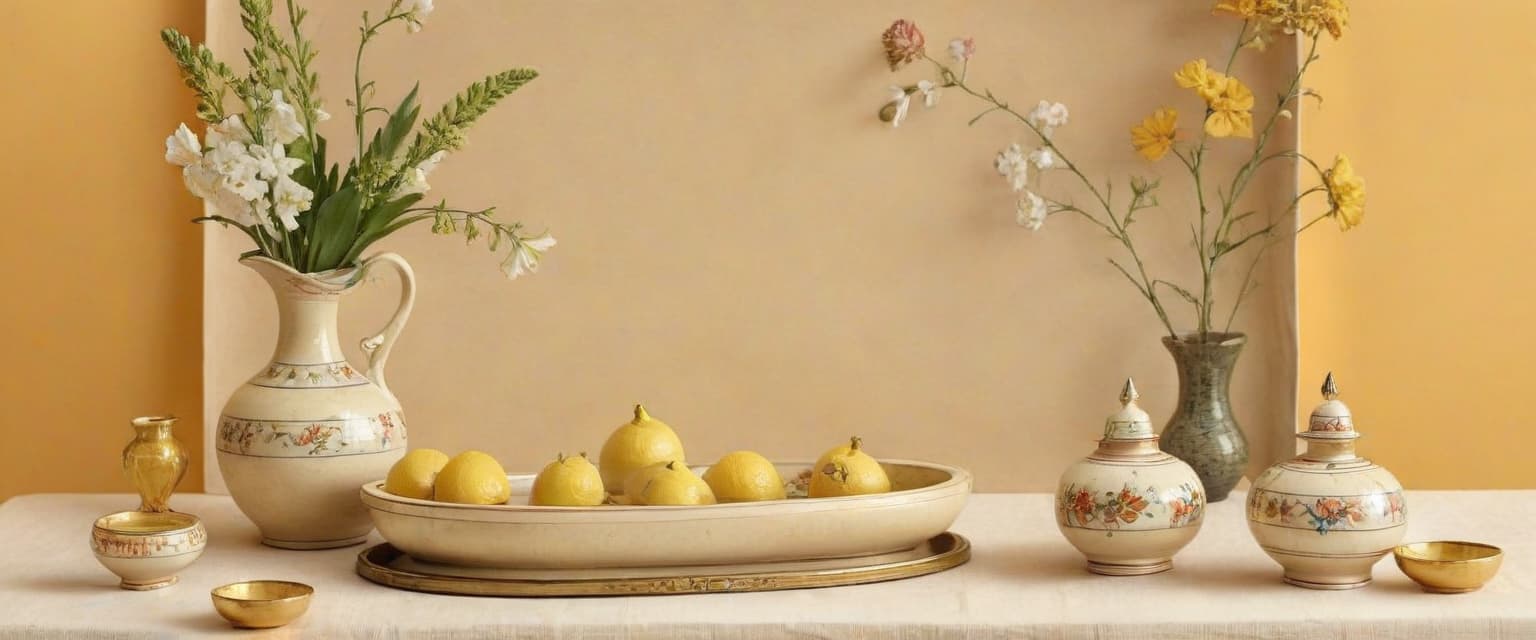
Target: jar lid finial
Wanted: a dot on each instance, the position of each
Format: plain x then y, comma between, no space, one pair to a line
1130,422
1128,393
1331,420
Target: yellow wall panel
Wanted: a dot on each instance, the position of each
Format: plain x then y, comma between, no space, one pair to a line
101,312
1425,313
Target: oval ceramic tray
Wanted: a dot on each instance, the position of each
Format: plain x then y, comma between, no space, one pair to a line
386,565
925,499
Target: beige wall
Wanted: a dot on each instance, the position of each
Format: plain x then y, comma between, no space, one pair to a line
1425,312
99,264
744,248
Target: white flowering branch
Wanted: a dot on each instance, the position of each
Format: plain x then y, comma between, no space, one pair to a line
264,170
1116,227
1219,229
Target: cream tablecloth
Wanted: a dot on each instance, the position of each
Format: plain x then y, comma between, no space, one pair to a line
1023,581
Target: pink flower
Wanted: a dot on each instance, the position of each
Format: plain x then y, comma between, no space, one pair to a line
903,43
961,49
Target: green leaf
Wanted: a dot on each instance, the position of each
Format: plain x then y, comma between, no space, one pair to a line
335,228
377,224
387,140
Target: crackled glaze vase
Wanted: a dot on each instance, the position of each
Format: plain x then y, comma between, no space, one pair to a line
1129,506
1202,431
297,440
1328,515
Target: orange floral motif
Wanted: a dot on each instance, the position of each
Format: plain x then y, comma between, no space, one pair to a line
1126,506
1326,513
1395,507
1082,505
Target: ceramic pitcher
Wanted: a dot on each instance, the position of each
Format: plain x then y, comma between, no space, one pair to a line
297,441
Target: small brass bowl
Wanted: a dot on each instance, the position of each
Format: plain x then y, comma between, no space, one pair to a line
262,604
147,549
1447,566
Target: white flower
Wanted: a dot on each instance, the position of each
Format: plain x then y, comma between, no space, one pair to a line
961,49
182,149
230,205
414,11
238,170
274,161
902,100
231,129
1046,116
200,179
289,199
1011,164
282,123
930,93
321,115
416,177
526,256
1043,158
1031,211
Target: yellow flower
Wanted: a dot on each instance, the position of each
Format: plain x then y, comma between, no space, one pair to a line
1346,193
1334,16
1154,136
1231,111
1196,75
1308,16
1240,8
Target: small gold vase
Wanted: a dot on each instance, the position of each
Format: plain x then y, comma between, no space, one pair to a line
154,462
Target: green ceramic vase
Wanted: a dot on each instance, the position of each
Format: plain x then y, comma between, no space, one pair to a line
1203,432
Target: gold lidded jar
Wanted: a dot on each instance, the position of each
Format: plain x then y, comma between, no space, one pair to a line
154,462
1328,515
1129,507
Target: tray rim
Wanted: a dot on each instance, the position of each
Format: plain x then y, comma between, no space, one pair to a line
374,496
695,580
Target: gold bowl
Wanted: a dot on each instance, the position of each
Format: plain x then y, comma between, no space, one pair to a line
146,549
262,604
1448,566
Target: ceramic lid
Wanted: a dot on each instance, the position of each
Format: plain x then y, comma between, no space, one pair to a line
1130,422
1331,420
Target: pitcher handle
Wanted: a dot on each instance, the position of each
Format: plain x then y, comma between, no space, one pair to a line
377,347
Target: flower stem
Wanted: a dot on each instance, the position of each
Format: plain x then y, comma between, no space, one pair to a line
1115,227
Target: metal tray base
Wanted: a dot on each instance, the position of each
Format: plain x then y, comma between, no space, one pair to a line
388,566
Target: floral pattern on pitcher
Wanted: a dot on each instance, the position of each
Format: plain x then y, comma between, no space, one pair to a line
309,376
1324,514
1085,508
311,438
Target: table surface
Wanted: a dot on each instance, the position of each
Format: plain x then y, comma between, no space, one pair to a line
1024,580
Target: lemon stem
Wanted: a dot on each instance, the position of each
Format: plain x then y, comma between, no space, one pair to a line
560,457
640,414
854,442
672,466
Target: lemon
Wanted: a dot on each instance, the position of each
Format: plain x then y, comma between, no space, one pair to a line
744,476
568,482
472,477
412,476
634,485
635,445
672,483
848,471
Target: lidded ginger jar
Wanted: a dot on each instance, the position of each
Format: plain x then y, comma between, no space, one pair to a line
1129,506
1328,515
